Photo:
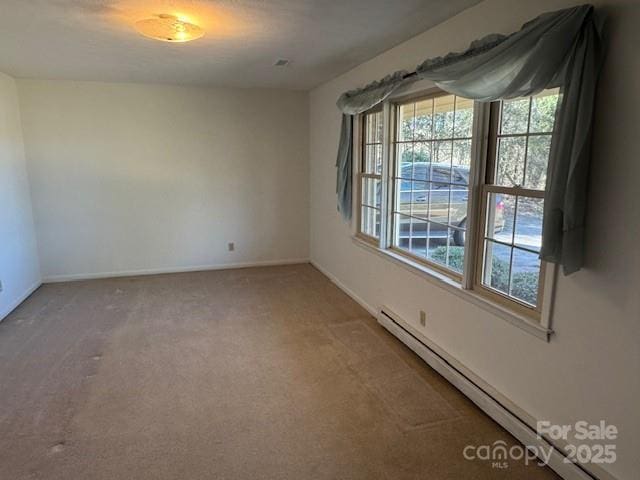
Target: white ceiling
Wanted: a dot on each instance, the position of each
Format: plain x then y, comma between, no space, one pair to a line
95,39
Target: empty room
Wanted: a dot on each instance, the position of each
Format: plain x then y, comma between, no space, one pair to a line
319,239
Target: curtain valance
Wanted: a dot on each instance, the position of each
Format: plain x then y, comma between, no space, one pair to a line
360,100
557,49
352,103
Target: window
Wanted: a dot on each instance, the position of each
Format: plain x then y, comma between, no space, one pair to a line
432,152
473,215
370,175
513,198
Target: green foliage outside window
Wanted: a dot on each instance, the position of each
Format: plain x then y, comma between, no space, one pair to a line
524,285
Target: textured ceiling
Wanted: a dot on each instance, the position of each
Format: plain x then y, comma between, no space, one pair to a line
95,39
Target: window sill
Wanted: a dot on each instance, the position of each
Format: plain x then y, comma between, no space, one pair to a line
443,281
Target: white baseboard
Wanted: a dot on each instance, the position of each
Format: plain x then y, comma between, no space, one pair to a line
13,305
372,310
158,271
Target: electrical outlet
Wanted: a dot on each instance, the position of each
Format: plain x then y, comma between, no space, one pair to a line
423,318
231,246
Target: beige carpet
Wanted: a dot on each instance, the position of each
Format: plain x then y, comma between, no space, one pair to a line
266,373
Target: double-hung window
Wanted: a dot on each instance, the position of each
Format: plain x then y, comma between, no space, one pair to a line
432,151
513,200
456,204
370,175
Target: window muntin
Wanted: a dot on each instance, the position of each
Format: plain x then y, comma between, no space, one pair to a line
432,151
370,176
416,206
513,198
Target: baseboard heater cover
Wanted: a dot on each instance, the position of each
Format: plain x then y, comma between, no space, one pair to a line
492,407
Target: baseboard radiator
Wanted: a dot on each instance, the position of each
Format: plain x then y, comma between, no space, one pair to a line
481,397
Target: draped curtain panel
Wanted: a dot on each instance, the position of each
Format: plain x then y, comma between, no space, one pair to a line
344,164
353,103
557,49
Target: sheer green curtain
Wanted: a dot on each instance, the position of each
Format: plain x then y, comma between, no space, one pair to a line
557,49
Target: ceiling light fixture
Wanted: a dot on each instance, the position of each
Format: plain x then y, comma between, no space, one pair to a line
169,28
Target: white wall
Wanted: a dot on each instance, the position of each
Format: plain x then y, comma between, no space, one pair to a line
590,368
19,269
131,177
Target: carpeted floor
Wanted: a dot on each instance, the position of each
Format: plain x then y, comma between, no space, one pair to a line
265,373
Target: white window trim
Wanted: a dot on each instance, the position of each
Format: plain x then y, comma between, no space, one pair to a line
464,289
359,140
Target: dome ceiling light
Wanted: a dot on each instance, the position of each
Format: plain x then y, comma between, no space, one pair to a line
169,28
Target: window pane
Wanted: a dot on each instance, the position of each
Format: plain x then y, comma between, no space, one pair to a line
460,177
455,254
437,251
515,116
370,222
402,230
442,152
405,160
421,159
371,192
420,199
443,251
500,217
369,158
444,112
463,118
424,120
370,128
418,237
439,202
378,160
497,268
403,196
377,127
372,159
421,171
458,207
537,161
510,168
543,111
529,223
461,152
405,122
440,173
373,127
437,246
525,275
